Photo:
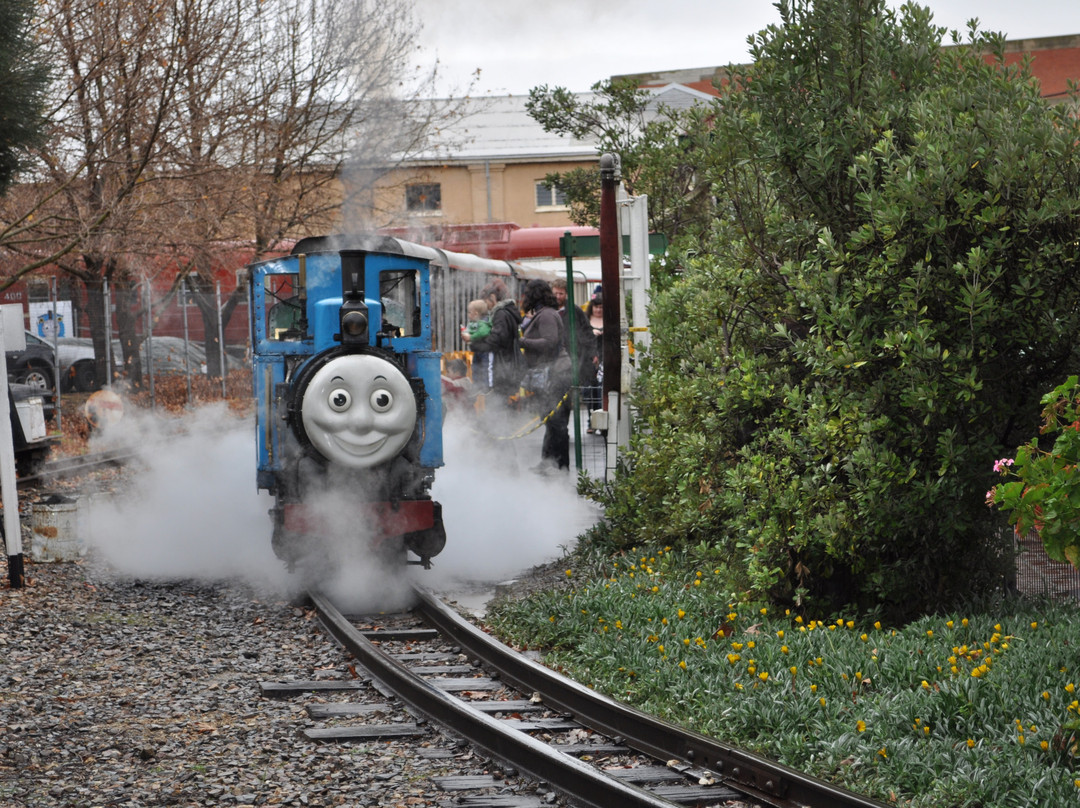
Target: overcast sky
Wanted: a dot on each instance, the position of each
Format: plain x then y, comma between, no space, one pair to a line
520,44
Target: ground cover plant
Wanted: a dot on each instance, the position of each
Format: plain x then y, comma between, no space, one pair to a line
977,707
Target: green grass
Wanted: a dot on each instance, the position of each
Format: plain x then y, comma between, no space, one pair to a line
973,709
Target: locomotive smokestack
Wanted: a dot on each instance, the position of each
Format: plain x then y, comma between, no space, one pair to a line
353,316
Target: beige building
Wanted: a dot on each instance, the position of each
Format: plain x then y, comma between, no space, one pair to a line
489,166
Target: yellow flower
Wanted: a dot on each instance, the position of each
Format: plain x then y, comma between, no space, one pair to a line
1070,687
864,637
697,583
783,649
793,670
949,624
1046,695
964,622
655,589
764,611
738,686
877,625
860,726
1044,745
686,641
780,634
813,688
1034,623
971,743
929,632
763,676
682,664
682,614
925,685
851,624
882,752
569,573
618,624
821,701
733,658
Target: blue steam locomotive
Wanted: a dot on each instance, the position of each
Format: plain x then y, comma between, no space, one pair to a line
349,410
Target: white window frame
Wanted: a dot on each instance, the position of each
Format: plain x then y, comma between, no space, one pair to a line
552,193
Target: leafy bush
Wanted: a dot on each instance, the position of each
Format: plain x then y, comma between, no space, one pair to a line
889,282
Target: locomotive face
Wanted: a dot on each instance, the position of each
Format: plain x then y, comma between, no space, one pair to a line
359,410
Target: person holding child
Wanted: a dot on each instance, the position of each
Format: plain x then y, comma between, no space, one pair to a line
502,340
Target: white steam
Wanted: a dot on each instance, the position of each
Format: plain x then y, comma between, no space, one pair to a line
193,511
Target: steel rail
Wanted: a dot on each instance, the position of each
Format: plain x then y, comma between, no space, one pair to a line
75,464
759,777
572,777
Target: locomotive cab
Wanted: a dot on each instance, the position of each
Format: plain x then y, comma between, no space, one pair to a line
348,403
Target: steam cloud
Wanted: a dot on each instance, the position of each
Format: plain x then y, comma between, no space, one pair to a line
194,512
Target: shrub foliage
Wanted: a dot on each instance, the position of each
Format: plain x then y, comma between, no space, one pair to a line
888,286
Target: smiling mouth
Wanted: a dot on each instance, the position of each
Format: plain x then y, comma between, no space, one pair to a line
358,449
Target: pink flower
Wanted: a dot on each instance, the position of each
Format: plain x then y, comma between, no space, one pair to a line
1000,465
990,497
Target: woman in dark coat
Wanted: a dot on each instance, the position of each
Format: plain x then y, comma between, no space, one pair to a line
502,342
542,342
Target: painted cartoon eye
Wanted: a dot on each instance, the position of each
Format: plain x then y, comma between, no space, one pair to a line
339,400
382,400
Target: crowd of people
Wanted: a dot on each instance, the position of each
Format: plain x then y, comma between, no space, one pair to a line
521,352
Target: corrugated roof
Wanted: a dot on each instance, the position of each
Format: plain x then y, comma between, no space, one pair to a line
499,128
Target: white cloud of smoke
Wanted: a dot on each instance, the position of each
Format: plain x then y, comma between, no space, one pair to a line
193,511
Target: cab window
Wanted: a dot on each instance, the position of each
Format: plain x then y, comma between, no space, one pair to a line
283,312
399,291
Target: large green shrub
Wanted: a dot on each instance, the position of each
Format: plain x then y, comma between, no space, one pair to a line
889,284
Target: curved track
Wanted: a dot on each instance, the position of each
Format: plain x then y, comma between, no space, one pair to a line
684,768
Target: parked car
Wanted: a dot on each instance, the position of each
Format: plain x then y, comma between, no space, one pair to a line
34,365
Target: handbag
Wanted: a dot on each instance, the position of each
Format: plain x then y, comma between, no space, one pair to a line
537,380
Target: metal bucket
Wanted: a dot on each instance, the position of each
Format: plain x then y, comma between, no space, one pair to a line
54,534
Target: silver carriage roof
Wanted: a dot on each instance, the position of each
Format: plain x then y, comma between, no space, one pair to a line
438,257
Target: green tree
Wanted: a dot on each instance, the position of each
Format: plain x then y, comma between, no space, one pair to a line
23,80
655,143
889,288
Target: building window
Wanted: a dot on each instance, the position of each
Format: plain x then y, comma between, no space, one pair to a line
549,196
422,197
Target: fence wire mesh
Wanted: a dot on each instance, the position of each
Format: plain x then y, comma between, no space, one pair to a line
1038,575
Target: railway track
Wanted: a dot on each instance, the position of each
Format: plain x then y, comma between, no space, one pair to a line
587,747
75,465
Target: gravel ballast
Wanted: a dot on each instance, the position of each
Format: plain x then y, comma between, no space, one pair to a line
120,692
